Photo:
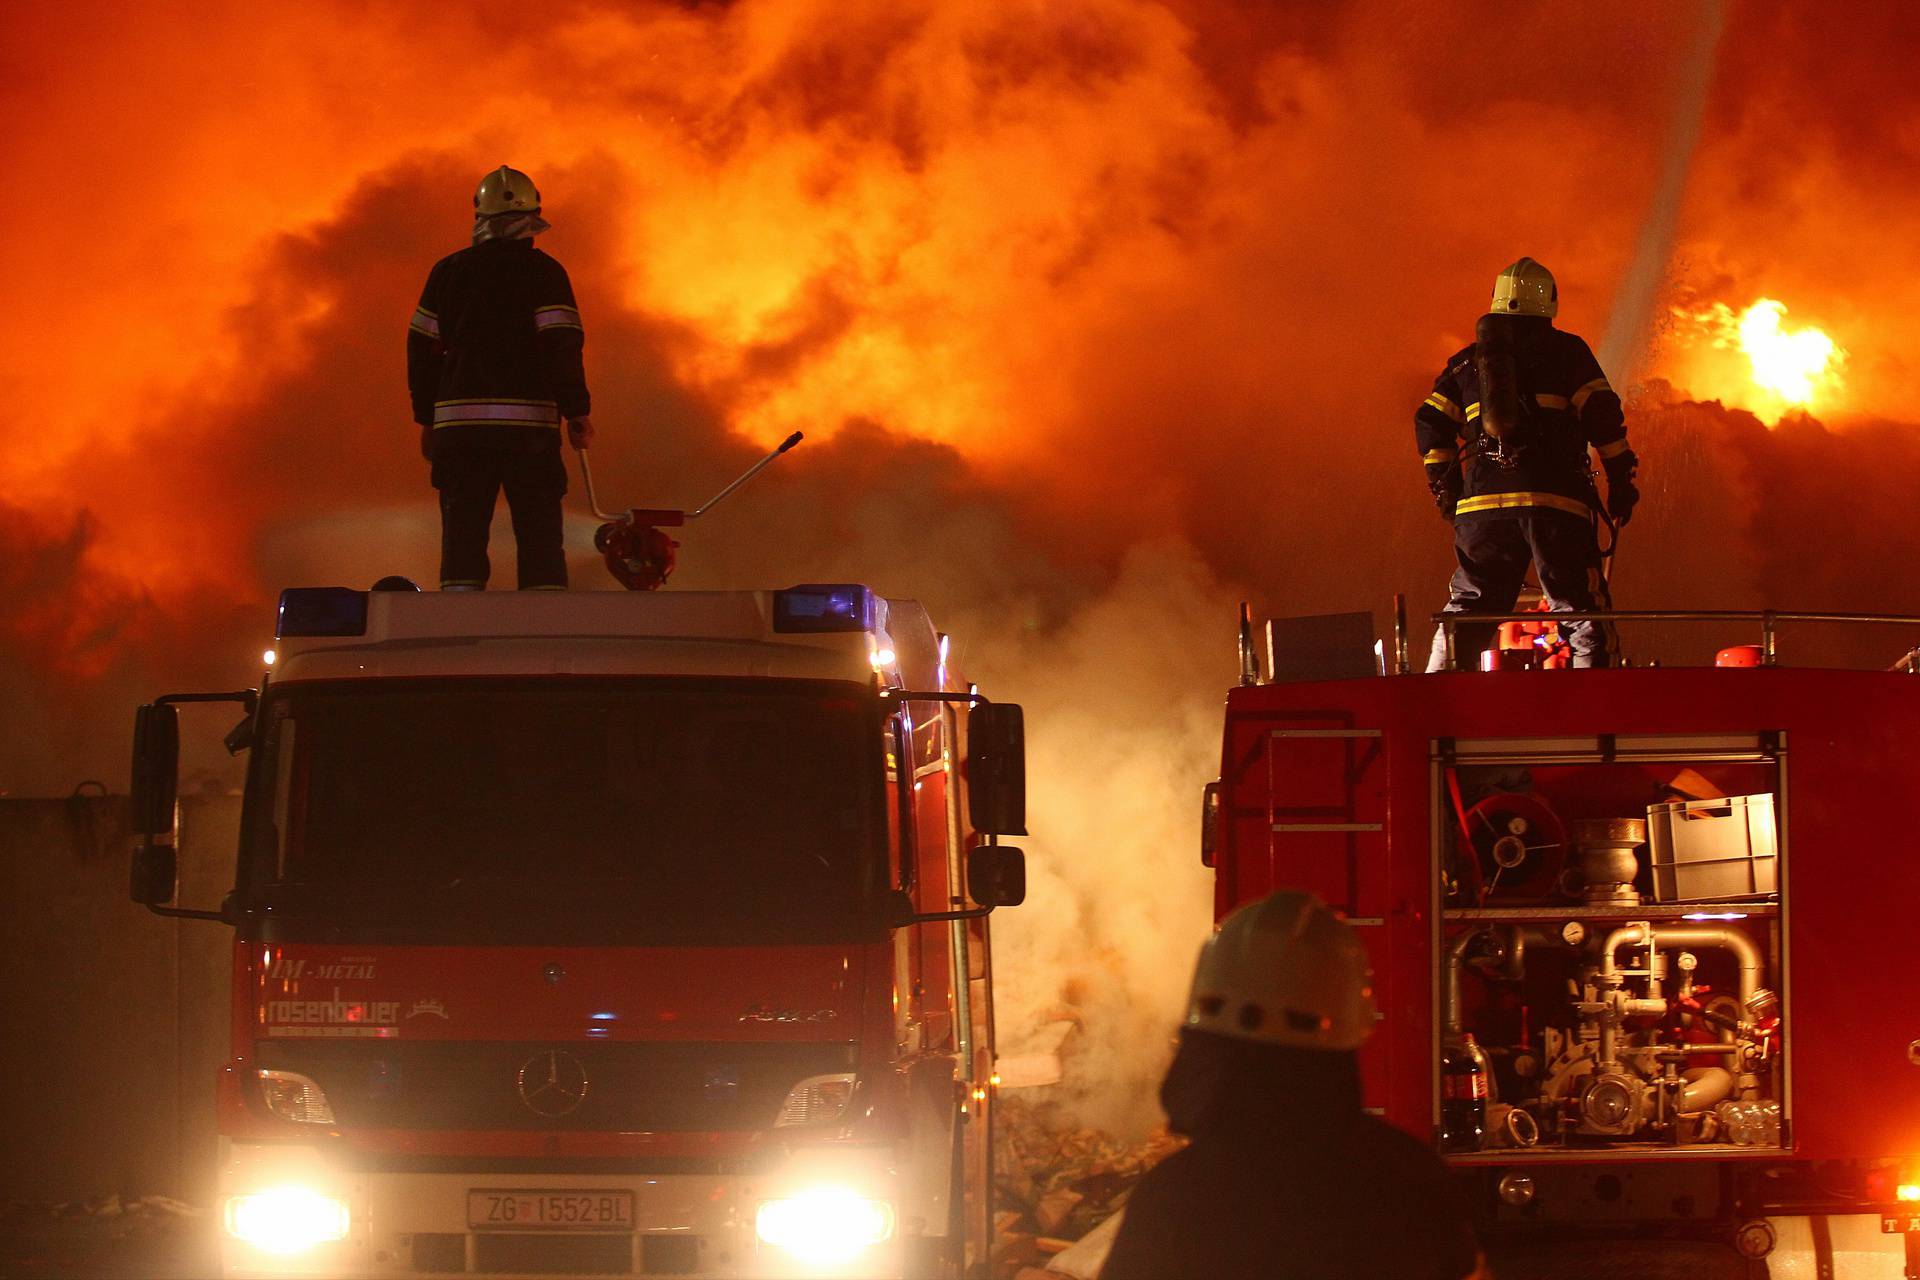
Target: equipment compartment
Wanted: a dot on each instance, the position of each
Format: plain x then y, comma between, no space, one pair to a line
1608,981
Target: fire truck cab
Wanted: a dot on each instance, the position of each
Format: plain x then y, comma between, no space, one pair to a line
1643,938
595,933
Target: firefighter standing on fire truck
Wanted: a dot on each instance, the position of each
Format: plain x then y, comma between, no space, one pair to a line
1504,438
493,367
1287,1178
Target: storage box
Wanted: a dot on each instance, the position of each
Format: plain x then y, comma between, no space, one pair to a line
1714,850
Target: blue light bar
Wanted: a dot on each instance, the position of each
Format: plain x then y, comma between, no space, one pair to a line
322,611
816,607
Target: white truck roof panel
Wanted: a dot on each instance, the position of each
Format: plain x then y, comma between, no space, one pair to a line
718,633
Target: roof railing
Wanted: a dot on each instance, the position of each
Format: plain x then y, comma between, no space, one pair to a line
1769,620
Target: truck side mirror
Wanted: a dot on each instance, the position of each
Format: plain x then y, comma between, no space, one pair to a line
154,874
997,875
156,769
1209,823
997,769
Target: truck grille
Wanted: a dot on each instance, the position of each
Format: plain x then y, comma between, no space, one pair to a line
480,1085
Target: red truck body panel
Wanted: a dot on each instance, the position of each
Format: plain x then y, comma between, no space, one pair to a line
1353,767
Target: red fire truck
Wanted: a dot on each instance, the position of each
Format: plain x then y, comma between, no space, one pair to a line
1643,938
596,933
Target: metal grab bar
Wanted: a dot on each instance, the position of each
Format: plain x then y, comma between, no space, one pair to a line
1770,621
593,503
586,474
749,474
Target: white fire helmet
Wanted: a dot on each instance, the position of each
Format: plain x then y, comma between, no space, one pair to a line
1525,289
1284,970
506,190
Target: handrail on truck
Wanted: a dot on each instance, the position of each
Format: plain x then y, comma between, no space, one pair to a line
1770,621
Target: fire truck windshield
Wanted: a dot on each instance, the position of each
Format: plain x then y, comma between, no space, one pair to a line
567,811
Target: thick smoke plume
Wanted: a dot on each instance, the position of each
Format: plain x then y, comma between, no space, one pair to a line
1100,315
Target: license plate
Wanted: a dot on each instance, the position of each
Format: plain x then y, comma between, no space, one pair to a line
1899,1224
512,1209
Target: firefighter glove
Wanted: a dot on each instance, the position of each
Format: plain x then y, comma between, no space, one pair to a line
1446,489
1622,493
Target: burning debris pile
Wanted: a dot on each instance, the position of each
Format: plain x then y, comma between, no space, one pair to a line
1055,1181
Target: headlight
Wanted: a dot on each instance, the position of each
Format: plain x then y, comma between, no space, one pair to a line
294,1097
816,1100
286,1219
824,1226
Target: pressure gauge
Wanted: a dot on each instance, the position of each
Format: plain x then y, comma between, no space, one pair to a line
1573,933
1687,961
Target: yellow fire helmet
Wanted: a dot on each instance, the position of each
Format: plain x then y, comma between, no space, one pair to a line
506,190
1284,970
1525,289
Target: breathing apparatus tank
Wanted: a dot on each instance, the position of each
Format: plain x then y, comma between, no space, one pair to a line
1503,410
1523,295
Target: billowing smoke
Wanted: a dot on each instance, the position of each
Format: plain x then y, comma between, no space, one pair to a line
1099,316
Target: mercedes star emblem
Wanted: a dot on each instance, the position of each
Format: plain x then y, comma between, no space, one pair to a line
552,1083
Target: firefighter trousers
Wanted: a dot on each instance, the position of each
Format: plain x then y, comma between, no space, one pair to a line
1494,550
471,466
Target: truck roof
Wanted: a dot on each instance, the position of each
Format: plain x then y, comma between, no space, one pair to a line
834,632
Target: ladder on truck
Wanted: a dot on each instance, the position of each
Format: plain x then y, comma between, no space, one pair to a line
1316,784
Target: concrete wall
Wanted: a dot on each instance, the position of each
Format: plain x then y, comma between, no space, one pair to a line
113,1021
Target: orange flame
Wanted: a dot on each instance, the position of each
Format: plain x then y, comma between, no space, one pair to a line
1755,361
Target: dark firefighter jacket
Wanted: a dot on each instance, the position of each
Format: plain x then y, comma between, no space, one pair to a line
1569,405
496,341
1287,1179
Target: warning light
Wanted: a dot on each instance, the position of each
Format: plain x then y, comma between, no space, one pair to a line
1908,1191
819,607
268,657
322,611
